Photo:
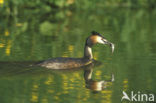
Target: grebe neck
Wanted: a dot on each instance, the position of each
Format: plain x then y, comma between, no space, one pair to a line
88,52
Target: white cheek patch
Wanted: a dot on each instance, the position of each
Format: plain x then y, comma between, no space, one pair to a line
99,40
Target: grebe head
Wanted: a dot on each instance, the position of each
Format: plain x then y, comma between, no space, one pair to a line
96,38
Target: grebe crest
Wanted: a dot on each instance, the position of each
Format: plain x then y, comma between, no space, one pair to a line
96,38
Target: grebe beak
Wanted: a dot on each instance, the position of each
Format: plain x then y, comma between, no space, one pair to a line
110,44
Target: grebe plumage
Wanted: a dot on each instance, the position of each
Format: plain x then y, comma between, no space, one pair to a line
68,63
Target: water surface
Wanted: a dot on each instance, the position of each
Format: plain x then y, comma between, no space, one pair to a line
31,36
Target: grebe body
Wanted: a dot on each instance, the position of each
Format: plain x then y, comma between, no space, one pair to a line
68,63
65,63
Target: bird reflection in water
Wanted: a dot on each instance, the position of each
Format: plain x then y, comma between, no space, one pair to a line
95,85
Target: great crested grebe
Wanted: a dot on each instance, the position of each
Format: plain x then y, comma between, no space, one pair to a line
68,63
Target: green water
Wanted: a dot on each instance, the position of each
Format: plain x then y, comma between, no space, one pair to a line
28,36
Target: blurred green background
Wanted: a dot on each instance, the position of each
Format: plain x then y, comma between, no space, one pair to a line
36,30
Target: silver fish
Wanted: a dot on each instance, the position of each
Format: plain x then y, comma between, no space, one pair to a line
112,46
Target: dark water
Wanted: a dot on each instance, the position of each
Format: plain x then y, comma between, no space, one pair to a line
30,37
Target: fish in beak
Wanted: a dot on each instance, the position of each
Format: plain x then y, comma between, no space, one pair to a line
112,47
109,43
